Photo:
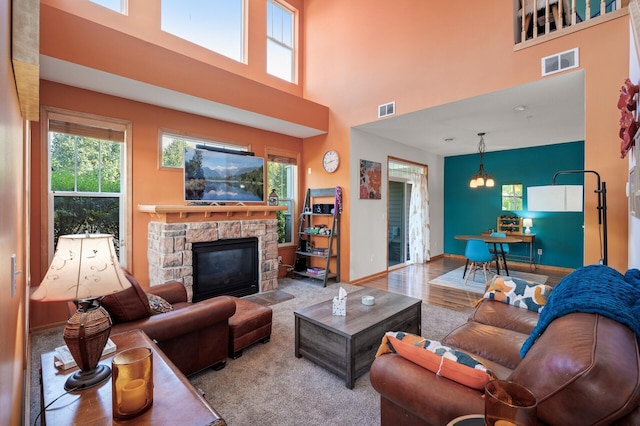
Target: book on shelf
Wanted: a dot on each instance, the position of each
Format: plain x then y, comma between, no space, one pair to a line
64,360
316,270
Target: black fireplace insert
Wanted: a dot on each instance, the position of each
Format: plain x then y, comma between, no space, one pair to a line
225,267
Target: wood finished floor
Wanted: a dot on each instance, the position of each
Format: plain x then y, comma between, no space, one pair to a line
413,280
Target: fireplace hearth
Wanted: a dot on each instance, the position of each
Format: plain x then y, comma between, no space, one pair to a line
225,267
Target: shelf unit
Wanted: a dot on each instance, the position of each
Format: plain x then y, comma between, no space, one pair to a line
319,237
510,225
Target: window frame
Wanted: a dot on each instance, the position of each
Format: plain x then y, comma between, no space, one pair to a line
286,8
293,188
512,195
48,114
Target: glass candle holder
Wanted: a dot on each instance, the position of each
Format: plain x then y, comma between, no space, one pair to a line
132,382
509,404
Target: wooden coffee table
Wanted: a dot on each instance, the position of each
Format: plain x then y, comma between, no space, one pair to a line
346,345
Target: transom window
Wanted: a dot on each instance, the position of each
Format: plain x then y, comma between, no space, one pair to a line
512,197
280,41
172,148
119,6
216,25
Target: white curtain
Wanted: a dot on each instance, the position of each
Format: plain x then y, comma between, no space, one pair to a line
419,239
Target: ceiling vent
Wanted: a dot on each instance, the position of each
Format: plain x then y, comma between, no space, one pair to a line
560,62
387,109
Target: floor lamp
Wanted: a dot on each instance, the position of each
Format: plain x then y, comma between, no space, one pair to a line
563,198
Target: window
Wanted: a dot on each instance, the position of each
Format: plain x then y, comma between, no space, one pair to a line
280,53
282,177
216,25
86,183
172,148
512,197
119,6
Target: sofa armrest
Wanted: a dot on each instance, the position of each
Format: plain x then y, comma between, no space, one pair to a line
163,327
172,291
435,399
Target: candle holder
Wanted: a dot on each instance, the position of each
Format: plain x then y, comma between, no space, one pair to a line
132,382
508,403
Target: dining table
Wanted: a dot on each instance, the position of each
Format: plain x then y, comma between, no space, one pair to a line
496,241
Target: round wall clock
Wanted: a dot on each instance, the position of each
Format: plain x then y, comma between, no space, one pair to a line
330,161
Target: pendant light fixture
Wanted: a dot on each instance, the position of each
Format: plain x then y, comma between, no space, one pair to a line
482,178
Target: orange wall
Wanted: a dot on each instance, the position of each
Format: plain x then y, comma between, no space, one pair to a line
130,46
423,54
13,326
150,184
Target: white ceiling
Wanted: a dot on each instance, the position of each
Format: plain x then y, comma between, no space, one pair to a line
554,112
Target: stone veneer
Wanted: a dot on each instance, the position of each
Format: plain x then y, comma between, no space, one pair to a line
170,248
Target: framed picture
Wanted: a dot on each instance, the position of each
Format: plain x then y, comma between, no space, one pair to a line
370,180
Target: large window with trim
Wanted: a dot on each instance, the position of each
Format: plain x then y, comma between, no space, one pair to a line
215,25
280,41
87,189
282,175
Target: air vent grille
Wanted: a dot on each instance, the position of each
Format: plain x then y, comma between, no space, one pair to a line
387,109
560,62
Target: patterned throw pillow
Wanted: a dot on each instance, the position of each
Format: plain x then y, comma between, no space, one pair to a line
158,305
443,360
518,292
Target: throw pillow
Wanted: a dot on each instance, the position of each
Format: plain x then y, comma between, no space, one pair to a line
158,305
443,360
129,304
518,292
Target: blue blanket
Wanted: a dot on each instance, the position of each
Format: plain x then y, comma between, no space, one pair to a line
594,289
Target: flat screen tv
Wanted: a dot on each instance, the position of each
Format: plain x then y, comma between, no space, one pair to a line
214,175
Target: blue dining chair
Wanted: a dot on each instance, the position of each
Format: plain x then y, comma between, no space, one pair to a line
496,252
478,255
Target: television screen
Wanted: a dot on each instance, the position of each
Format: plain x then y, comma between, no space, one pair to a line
217,176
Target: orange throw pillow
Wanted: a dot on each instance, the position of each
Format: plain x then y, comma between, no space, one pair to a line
443,360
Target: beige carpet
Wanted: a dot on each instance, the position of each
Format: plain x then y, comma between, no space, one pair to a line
454,279
268,385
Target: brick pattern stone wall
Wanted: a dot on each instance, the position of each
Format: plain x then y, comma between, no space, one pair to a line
170,253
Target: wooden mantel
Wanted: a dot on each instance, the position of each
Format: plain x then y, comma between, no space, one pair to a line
176,213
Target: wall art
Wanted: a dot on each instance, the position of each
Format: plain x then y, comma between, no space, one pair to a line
370,180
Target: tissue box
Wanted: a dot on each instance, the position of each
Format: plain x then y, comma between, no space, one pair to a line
339,306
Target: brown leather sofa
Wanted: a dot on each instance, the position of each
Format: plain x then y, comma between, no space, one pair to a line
584,370
194,336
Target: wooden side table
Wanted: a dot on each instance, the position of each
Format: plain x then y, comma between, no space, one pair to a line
175,401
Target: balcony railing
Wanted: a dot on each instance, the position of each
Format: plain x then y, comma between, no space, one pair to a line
544,18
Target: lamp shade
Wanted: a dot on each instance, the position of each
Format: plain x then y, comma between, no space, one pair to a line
554,198
83,267
527,222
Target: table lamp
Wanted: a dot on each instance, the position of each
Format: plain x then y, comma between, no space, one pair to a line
84,268
527,222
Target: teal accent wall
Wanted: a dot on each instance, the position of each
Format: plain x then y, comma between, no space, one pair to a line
472,211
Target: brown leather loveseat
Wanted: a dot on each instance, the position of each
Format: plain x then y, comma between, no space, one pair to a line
584,367
194,336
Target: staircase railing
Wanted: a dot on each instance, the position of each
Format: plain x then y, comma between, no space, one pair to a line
546,18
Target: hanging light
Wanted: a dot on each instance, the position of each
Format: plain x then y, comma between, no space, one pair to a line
482,178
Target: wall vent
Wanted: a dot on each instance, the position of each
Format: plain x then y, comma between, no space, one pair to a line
560,62
387,109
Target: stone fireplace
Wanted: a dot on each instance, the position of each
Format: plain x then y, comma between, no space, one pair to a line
174,229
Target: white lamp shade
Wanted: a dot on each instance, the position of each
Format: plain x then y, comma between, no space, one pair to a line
83,267
527,222
555,198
